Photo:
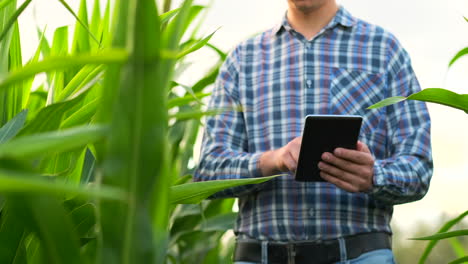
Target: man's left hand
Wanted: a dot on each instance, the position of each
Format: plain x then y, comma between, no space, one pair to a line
351,170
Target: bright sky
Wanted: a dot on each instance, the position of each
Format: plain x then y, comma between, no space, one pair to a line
431,30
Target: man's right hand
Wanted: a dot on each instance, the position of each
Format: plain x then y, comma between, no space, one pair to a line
281,160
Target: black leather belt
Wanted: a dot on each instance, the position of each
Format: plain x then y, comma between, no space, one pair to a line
327,251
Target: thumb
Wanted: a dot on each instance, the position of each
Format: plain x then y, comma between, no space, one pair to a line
363,147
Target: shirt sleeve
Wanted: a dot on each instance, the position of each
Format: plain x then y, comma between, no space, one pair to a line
225,152
405,175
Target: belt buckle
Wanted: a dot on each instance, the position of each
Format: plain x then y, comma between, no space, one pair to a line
291,247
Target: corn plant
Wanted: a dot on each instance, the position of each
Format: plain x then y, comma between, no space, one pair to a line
93,161
457,101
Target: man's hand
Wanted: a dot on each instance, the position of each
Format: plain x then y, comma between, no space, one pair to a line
281,160
351,170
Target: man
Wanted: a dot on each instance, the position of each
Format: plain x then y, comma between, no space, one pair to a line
319,60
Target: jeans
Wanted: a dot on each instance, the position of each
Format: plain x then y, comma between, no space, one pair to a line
380,256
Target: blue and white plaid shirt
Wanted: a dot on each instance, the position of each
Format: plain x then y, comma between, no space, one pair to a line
279,77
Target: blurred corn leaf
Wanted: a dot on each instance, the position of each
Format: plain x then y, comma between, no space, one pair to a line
460,260
457,56
12,20
24,182
64,62
444,235
40,144
443,229
197,191
11,129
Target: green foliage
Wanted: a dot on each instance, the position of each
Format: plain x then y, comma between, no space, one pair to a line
89,156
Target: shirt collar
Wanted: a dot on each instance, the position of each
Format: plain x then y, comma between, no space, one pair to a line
342,17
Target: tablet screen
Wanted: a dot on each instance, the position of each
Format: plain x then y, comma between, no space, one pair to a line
324,133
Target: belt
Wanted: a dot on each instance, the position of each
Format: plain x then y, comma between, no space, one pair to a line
326,251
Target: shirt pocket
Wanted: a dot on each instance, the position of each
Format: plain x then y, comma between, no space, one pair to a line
353,91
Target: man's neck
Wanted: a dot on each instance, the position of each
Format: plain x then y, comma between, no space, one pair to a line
310,22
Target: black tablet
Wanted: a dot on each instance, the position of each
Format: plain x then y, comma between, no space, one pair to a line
324,133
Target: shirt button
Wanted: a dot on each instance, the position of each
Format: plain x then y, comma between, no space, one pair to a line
309,82
311,212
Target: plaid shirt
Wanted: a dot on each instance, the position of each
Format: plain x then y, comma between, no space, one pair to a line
279,77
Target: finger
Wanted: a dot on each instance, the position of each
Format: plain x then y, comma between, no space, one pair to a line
354,156
338,182
339,173
361,146
340,163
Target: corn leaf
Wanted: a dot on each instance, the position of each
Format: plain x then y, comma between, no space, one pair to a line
181,101
86,75
457,56
64,62
444,235
83,22
41,144
13,18
460,260
135,160
198,45
39,213
432,95
11,129
84,218
50,117
195,192
4,3
457,247
12,101
164,18
12,182
83,115
443,229
387,102
12,237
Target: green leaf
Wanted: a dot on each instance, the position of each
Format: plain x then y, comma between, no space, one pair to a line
12,182
88,75
50,117
164,18
387,102
5,3
457,56
221,222
431,95
181,101
457,247
195,192
196,46
84,218
11,129
460,260
83,115
444,228
444,235
45,216
12,20
41,144
443,97
135,158
64,62
83,23
197,114
12,236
